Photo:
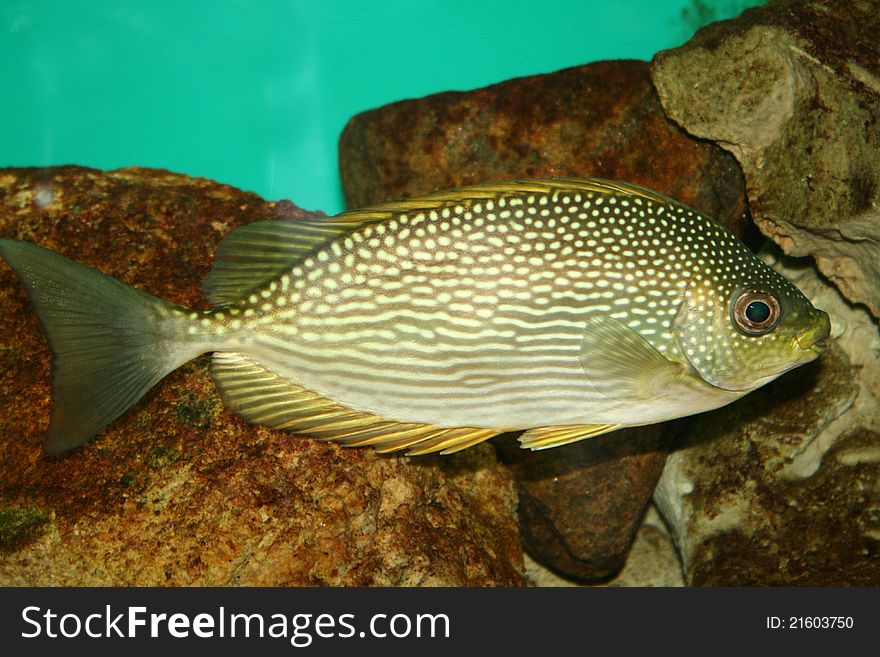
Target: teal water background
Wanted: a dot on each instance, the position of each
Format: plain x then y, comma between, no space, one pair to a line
256,93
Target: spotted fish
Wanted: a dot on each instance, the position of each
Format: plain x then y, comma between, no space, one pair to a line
565,308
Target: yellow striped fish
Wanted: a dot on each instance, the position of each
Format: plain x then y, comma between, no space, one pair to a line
566,308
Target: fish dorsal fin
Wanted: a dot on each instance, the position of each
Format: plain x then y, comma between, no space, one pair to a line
493,190
436,201
621,364
547,437
255,253
595,185
602,186
263,397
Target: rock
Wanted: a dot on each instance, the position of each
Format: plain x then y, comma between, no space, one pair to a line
566,493
793,91
179,490
599,120
783,487
651,561
789,492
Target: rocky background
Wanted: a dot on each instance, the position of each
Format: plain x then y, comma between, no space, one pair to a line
180,491
767,122
788,491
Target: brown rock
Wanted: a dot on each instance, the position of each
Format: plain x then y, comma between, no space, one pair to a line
793,91
783,487
789,492
651,561
600,120
567,493
179,491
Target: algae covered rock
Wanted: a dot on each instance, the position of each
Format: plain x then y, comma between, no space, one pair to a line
600,120
784,486
179,490
792,90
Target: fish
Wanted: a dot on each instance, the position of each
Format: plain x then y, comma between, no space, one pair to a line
560,308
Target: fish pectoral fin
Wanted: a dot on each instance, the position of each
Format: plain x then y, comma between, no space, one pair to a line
547,437
621,364
263,397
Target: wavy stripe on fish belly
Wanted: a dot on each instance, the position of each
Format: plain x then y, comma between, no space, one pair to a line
448,375
463,389
568,308
474,312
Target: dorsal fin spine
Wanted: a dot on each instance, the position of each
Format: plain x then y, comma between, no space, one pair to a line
254,254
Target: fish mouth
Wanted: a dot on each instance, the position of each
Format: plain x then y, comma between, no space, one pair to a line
815,338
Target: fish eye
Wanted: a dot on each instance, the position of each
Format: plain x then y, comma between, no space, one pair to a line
756,313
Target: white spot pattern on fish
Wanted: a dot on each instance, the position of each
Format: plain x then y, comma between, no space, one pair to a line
567,308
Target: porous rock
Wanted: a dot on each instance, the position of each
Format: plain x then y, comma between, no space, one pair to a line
580,505
179,490
792,90
783,487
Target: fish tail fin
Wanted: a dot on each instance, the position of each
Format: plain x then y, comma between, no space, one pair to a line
111,343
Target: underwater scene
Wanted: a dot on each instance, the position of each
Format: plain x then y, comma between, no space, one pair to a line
440,293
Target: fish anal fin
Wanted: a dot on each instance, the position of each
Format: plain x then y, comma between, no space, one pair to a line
449,441
263,397
547,437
